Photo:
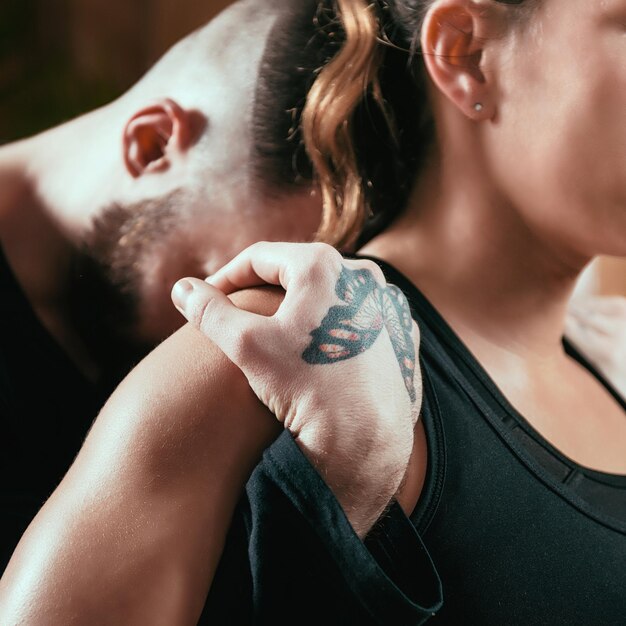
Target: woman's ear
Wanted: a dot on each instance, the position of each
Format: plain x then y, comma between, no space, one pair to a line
156,135
455,35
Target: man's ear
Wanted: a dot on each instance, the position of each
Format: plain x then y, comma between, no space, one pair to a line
156,135
454,38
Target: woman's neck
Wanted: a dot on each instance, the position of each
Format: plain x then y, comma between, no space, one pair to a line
497,283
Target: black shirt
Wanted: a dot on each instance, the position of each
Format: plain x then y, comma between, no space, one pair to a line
518,533
46,408
512,543
289,524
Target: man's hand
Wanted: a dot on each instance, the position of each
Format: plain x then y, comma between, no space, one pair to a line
337,363
597,327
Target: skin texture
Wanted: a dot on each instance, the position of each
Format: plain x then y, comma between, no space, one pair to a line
362,450
352,328
173,158
154,474
170,453
497,241
500,259
597,326
435,229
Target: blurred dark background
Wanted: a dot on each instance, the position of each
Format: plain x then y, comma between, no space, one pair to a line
60,58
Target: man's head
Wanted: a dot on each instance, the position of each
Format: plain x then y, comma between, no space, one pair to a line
167,180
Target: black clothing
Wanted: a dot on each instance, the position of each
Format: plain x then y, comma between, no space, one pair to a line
292,557
605,492
513,543
518,533
516,530
46,408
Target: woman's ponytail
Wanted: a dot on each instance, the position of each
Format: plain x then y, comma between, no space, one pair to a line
328,121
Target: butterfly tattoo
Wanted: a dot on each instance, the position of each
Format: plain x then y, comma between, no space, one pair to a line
351,329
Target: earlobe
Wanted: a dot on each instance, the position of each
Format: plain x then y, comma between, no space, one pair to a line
453,40
156,135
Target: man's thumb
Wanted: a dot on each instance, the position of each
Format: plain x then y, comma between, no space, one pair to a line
209,310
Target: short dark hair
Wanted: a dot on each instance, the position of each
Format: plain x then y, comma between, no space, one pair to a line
292,55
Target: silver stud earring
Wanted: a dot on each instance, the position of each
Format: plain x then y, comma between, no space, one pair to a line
478,107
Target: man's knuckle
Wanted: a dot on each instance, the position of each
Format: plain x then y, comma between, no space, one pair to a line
315,276
321,254
257,247
244,342
321,265
320,247
376,272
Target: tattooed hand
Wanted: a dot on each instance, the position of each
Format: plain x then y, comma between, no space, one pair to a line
350,329
337,363
597,327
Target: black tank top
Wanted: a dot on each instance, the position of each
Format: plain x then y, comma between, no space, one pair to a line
519,533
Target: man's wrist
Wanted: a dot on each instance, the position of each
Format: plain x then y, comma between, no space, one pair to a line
363,485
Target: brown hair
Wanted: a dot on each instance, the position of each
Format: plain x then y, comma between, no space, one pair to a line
307,39
329,121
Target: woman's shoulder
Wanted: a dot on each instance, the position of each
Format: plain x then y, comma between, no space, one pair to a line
189,350
191,384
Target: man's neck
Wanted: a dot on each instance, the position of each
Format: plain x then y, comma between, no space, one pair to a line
37,250
32,241
14,175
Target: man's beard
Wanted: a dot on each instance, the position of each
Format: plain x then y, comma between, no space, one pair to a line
107,277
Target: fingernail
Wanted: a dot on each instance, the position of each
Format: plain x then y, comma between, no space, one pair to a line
181,292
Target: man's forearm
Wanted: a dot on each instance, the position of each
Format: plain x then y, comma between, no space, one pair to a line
135,531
